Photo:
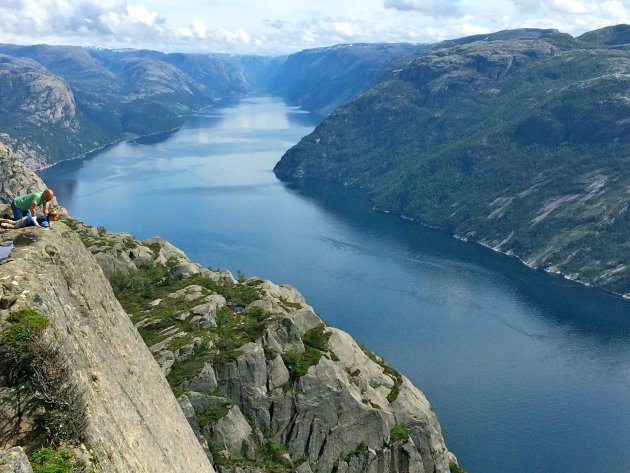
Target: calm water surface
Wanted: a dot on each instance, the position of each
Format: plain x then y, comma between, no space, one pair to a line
527,372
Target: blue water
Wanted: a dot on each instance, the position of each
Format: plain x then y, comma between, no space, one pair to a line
527,372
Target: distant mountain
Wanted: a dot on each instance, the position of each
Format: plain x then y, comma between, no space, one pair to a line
609,36
61,102
321,79
518,140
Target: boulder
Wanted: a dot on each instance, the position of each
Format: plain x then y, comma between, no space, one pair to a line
14,460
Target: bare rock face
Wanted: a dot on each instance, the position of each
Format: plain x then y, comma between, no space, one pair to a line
325,403
14,460
15,178
45,99
134,423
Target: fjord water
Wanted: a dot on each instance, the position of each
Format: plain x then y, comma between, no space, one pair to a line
527,372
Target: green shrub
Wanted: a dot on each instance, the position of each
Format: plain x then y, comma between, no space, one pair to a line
18,343
317,338
273,453
298,362
44,384
47,460
398,432
212,415
388,370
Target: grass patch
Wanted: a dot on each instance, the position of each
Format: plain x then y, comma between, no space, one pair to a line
47,460
398,432
298,362
455,468
270,454
18,341
388,370
317,338
315,345
212,415
287,305
44,385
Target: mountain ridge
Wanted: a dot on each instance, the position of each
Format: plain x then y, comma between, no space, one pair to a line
502,142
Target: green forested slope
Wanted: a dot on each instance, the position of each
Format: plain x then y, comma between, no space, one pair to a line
519,141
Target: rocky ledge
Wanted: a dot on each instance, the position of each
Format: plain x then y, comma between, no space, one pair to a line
265,384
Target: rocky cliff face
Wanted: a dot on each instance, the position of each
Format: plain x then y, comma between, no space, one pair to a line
32,100
260,377
15,178
133,422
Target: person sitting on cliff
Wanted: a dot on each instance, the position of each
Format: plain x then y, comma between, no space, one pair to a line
41,221
26,205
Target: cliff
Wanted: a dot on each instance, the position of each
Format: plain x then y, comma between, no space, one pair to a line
262,384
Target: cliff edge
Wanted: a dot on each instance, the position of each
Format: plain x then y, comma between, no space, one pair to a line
133,423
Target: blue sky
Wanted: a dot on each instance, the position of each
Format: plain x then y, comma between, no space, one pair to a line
280,27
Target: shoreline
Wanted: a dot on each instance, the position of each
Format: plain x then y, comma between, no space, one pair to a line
625,297
105,146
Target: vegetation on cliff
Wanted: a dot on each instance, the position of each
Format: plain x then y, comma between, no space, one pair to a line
49,416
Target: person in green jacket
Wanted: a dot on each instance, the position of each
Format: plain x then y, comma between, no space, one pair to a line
26,205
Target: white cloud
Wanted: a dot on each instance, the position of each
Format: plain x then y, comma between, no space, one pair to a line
435,8
141,14
236,26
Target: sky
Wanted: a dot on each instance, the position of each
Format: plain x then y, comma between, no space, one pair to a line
284,26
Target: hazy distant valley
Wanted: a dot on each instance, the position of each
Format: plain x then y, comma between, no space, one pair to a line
61,102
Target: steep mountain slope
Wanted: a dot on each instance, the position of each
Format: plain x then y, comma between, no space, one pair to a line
617,35
120,401
99,96
37,107
322,79
519,144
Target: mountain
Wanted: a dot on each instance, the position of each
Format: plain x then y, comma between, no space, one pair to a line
62,102
517,140
321,79
618,35
258,383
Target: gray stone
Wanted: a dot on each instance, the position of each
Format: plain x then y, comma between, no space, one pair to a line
305,319
14,460
282,336
278,373
184,270
233,435
205,382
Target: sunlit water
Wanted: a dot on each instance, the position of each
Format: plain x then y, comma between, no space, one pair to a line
527,372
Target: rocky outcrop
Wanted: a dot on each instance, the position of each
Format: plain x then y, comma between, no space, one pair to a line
261,378
261,382
14,460
133,422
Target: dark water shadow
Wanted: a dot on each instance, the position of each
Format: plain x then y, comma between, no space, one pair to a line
154,139
588,311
